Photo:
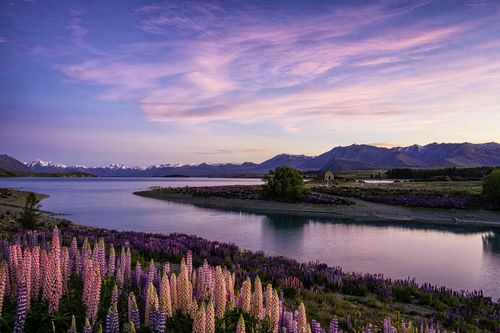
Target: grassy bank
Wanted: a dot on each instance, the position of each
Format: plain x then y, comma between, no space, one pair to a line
360,209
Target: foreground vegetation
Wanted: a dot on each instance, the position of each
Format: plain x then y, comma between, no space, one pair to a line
131,281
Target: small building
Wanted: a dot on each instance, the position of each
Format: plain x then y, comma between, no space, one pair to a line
329,177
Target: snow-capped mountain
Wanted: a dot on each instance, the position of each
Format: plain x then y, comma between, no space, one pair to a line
353,157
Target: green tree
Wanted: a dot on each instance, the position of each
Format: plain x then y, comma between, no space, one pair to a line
491,187
284,183
29,215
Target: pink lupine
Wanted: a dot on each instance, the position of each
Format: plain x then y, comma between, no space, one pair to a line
230,290
274,313
245,296
165,296
194,309
210,318
53,279
199,321
173,292
269,299
257,306
151,273
65,266
184,290
302,320
91,289
111,260
35,273
220,293
189,262
240,327
3,282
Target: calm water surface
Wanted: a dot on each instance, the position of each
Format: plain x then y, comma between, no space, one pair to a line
455,257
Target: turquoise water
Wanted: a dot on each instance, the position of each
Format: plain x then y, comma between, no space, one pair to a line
456,257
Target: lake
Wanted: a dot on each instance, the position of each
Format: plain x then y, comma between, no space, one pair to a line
460,258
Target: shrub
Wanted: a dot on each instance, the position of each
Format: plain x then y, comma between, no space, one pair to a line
29,215
284,183
491,187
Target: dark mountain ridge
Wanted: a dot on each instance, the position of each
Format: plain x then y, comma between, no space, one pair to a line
353,157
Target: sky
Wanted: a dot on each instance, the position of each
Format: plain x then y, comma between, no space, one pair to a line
140,82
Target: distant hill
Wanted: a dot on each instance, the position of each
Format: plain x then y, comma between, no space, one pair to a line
353,157
11,164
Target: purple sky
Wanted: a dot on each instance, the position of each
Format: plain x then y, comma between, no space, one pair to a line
95,82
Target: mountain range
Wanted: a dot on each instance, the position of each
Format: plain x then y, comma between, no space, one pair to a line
353,157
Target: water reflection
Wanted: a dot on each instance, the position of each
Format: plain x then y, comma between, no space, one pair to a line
460,258
491,242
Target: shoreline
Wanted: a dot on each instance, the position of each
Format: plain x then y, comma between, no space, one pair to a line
361,210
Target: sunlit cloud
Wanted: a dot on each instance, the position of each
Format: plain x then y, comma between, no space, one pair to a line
353,71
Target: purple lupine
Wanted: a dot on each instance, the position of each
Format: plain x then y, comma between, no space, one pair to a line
160,321
87,328
133,310
334,325
21,308
113,320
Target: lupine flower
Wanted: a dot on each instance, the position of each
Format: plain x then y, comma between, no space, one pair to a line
151,304
334,326
137,275
3,282
65,266
302,320
91,289
230,290
194,308
160,319
166,268
173,292
274,313
245,296
165,297
257,299
220,293
114,295
184,291
35,273
131,327
189,262
111,260
113,320
199,321
72,329
26,274
133,310
269,299
240,327
53,284
21,308
210,317
120,277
